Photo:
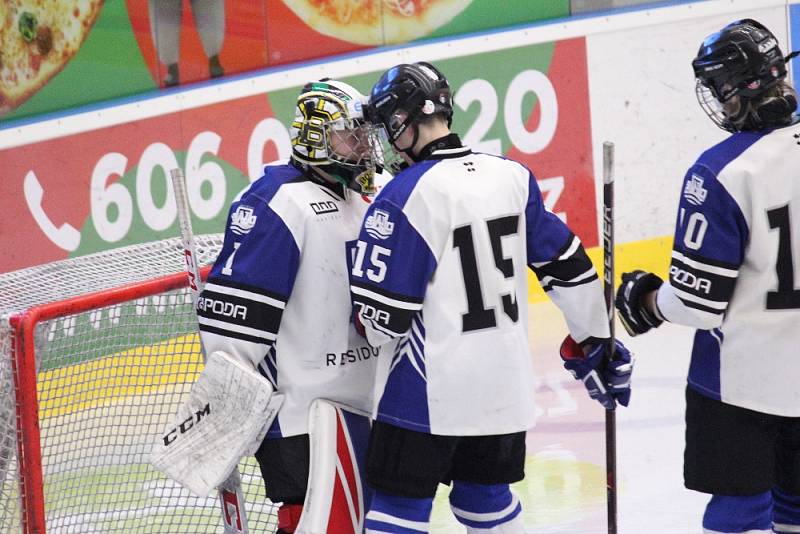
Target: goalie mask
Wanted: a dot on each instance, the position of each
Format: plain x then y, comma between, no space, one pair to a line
329,134
740,73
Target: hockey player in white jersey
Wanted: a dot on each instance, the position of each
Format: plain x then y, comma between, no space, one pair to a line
278,294
733,276
440,268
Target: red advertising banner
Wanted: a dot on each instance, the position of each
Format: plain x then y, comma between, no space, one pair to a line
107,187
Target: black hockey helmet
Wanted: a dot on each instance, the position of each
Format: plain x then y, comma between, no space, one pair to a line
742,59
406,93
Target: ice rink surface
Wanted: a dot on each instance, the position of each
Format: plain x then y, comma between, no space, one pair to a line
564,488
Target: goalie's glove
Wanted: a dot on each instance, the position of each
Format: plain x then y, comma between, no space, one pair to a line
607,382
633,313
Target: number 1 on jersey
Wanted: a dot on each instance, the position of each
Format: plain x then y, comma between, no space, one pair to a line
786,297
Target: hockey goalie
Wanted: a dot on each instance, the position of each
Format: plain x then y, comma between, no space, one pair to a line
277,302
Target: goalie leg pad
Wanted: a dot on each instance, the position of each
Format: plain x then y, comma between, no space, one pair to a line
738,514
336,499
485,508
289,517
225,416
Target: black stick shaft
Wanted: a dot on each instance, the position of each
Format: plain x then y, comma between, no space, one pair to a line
608,290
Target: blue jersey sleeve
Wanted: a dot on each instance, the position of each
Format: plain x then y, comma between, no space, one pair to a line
391,265
565,272
711,235
548,237
241,306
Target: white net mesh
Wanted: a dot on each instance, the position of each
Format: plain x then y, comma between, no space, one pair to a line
109,380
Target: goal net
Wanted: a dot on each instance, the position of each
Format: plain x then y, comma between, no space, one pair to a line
96,355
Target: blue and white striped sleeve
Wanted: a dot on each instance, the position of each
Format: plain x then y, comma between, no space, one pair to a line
390,266
564,270
711,234
240,308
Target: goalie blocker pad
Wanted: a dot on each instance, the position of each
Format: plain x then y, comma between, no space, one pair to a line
226,416
337,496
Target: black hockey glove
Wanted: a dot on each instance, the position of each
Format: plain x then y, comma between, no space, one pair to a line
608,382
635,317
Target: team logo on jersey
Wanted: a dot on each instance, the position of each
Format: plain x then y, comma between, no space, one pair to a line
378,225
324,206
243,220
694,191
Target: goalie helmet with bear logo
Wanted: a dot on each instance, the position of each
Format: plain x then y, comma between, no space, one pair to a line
331,138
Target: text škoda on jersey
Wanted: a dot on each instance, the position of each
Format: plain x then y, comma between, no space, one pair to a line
690,280
220,307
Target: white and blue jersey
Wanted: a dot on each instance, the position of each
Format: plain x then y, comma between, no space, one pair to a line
278,294
440,267
735,271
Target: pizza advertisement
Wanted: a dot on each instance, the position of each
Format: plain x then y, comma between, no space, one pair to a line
101,60
507,102
306,29
37,39
61,54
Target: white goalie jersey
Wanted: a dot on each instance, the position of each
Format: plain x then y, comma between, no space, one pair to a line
441,267
278,294
734,273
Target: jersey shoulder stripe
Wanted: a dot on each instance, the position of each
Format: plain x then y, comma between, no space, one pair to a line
227,333
232,287
699,303
415,302
569,247
687,255
549,283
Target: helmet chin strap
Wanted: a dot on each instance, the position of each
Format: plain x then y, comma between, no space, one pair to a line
410,150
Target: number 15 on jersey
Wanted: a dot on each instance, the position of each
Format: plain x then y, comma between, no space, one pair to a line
376,270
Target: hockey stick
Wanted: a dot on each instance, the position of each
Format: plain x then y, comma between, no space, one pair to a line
231,497
608,291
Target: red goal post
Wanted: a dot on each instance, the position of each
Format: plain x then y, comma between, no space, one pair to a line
97,354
